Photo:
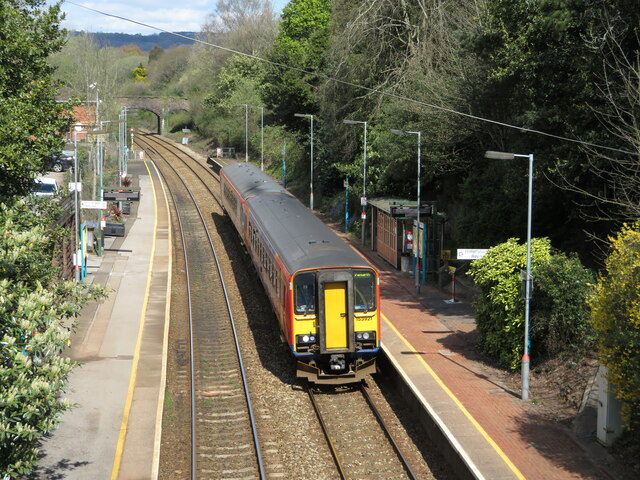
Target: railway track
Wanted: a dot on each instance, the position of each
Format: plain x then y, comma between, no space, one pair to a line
360,442
223,431
293,441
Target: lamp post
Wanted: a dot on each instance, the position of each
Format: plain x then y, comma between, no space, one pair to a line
310,116
416,235
122,143
528,279
76,257
246,130
363,202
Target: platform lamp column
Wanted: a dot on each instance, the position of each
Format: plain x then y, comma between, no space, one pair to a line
528,279
363,201
310,116
416,233
76,256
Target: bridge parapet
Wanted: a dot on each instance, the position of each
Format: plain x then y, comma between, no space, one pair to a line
159,106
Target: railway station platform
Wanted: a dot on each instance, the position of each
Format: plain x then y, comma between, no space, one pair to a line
489,432
114,429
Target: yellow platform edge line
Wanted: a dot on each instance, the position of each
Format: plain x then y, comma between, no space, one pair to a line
455,399
136,355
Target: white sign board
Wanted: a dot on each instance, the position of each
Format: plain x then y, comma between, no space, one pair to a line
72,186
93,204
471,253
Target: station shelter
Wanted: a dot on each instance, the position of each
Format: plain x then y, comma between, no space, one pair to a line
395,236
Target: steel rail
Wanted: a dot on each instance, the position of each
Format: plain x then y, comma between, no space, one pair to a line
384,427
191,349
226,297
325,430
174,148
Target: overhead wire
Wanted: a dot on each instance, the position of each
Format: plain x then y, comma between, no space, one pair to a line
355,85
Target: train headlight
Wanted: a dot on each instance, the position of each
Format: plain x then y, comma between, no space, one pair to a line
366,336
306,339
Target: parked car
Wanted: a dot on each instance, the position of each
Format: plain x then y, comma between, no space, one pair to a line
45,187
59,162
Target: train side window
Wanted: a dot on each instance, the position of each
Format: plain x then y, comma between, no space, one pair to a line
304,287
365,291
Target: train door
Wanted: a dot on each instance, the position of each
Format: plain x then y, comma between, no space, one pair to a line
335,315
336,311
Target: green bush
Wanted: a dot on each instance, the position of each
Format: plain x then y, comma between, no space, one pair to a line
559,317
34,306
615,312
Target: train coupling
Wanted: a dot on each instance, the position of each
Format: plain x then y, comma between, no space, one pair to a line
337,363
314,375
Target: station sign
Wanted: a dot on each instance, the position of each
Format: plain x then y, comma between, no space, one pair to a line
121,195
93,204
402,211
471,253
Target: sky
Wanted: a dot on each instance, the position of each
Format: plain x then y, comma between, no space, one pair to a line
170,15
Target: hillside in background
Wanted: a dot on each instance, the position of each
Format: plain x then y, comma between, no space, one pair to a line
144,42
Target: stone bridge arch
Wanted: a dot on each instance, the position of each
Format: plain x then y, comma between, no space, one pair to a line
159,106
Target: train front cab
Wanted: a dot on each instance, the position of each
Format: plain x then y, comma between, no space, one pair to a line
336,325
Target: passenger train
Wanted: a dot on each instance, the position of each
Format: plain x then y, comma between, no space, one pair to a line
325,295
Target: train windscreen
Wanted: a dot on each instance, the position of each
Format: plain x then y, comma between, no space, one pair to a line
305,293
365,291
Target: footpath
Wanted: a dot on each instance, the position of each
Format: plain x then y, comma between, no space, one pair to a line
114,429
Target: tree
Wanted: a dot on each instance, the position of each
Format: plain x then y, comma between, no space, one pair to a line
618,42
615,307
302,44
246,26
166,71
155,53
408,49
32,120
542,68
139,73
222,117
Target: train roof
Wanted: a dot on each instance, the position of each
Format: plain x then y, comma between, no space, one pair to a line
248,180
300,238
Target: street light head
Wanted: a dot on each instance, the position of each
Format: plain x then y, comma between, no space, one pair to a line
352,122
499,155
303,115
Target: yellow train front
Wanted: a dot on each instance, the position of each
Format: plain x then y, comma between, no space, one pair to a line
326,296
